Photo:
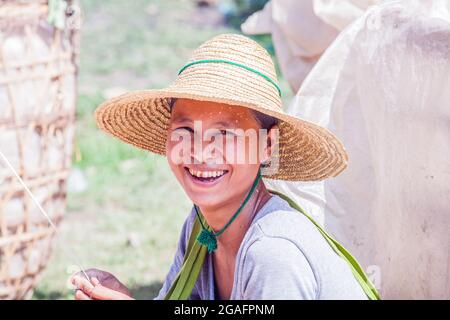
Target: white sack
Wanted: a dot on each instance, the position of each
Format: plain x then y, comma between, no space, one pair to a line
383,87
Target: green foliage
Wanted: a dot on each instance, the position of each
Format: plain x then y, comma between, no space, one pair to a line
239,10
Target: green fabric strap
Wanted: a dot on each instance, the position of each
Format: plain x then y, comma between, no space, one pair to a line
208,237
234,64
186,278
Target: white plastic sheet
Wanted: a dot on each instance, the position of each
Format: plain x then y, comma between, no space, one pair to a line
383,87
298,35
302,30
340,13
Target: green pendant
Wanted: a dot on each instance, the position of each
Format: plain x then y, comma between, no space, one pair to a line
208,239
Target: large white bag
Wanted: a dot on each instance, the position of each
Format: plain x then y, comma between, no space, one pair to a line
383,87
302,29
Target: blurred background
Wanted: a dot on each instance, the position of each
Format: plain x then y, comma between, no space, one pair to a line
124,208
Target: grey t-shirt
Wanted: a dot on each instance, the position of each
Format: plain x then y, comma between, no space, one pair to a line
282,256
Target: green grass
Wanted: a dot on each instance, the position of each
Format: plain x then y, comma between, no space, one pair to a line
131,193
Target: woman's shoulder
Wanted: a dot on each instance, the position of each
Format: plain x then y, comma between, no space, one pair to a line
283,235
186,230
284,222
287,227
279,220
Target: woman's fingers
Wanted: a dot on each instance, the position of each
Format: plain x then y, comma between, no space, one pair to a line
80,295
90,273
103,293
95,281
83,284
94,290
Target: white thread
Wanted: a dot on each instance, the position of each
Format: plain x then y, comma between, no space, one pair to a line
72,256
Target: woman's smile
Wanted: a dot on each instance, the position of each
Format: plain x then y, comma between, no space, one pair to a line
205,177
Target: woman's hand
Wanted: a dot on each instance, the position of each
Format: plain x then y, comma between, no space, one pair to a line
101,285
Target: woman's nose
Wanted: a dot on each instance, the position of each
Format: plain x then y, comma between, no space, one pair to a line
206,152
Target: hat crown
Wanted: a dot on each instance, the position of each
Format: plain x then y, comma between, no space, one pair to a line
233,67
237,48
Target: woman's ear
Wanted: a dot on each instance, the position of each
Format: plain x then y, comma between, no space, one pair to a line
271,144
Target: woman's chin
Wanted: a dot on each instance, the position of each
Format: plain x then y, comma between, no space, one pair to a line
206,200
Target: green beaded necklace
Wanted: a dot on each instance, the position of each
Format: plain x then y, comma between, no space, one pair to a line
209,238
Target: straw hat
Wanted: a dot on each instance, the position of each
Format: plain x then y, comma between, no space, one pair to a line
235,70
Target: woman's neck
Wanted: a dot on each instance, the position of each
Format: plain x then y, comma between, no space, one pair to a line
217,218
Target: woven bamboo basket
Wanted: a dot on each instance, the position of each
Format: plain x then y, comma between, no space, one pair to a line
38,65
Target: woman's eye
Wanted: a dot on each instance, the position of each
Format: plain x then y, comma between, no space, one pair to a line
183,129
226,132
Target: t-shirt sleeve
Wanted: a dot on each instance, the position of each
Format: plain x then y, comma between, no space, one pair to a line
276,268
178,259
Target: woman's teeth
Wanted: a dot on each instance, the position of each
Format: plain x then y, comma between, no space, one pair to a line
206,174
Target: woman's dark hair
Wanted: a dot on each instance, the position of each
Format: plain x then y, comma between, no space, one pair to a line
171,102
264,120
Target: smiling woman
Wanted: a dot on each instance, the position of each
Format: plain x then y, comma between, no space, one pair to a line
206,173
253,243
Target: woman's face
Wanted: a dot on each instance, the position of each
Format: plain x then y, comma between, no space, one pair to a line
214,150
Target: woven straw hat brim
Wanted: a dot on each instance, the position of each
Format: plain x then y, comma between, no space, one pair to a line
307,152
